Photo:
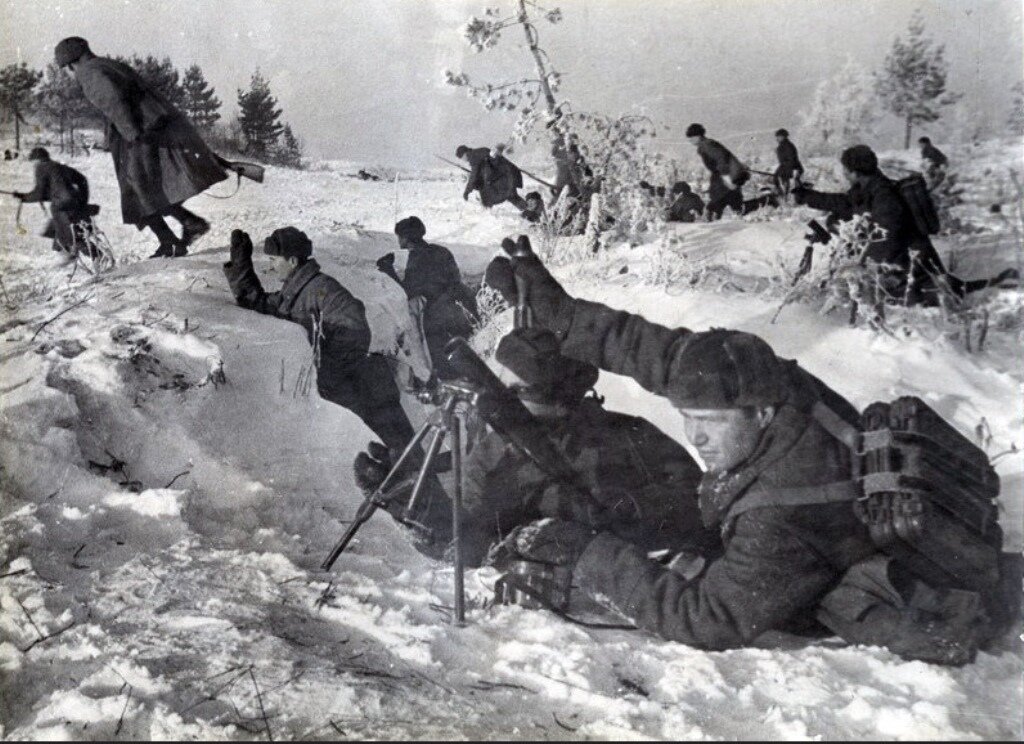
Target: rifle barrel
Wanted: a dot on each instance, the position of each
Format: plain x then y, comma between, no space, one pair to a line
460,167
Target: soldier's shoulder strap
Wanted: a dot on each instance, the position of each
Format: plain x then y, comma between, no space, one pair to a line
824,493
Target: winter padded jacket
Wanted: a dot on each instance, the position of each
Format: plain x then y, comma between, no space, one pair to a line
65,188
315,301
721,162
642,477
781,556
879,198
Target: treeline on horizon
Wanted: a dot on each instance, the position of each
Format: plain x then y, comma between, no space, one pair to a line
51,100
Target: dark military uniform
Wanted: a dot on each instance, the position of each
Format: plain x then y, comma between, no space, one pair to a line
644,479
687,207
879,198
793,547
347,374
789,164
720,162
450,306
159,157
497,179
67,190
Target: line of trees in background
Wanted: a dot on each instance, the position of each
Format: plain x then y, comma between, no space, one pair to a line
53,99
910,85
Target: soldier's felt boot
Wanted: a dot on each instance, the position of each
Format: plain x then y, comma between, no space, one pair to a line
166,250
940,626
191,231
551,305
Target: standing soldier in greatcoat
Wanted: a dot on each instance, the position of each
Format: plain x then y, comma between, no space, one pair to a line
159,157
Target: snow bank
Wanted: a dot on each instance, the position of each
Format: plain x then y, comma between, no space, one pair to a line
162,531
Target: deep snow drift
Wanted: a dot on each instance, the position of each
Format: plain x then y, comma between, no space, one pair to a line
162,530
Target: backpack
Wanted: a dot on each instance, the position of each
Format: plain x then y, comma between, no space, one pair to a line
925,492
914,192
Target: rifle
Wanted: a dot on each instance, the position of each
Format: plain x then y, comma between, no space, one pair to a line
450,162
818,234
524,172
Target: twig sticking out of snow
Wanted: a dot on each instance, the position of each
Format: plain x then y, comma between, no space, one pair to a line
120,720
259,699
29,616
69,307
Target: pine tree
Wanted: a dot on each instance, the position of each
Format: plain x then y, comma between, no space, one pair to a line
844,108
259,116
912,84
289,150
160,75
16,84
200,102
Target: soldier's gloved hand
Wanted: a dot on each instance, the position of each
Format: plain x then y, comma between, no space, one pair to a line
500,277
799,194
551,305
572,504
370,468
552,541
241,247
19,195
386,263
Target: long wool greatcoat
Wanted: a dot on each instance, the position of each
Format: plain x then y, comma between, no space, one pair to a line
159,157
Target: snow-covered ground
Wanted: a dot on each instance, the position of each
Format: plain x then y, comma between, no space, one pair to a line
162,532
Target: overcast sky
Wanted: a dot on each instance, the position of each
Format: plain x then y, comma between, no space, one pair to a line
362,80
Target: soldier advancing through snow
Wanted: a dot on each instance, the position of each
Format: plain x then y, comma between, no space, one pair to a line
934,161
790,167
631,476
159,157
765,428
728,174
492,175
335,323
67,190
905,251
432,281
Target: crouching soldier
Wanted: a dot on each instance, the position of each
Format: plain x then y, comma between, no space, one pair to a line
911,268
777,486
67,190
434,287
632,477
347,374
493,175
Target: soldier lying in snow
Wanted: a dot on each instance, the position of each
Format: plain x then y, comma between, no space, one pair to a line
633,478
347,375
794,550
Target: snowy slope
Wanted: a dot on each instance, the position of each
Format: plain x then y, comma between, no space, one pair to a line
168,528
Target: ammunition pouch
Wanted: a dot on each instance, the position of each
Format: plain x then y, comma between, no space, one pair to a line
928,496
